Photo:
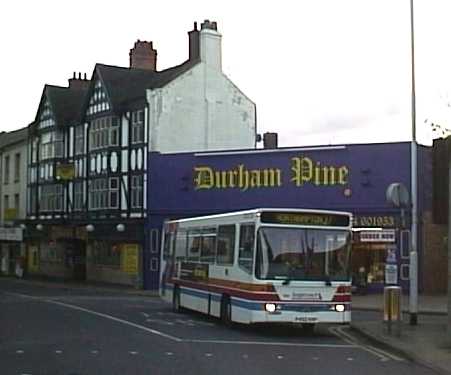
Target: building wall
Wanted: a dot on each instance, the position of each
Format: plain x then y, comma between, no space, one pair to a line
200,110
13,186
435,256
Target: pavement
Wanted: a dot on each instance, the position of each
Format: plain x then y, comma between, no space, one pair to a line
428,342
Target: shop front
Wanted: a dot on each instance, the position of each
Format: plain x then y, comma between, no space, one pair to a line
12,252
352,178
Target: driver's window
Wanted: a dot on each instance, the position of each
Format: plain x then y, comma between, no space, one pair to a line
246,248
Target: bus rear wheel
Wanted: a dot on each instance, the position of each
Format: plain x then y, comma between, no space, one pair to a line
176,300
226,310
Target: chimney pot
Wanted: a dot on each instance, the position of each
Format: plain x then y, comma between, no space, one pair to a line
270,140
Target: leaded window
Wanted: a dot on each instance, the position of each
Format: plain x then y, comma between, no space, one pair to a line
138,126
137,191
99,101
46,118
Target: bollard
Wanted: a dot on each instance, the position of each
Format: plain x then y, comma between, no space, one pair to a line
392,308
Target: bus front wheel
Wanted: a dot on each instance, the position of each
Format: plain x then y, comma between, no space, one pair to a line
176,300
226,310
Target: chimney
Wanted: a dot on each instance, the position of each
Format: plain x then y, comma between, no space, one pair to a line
143,56
210,45
270,140
78,83
193,36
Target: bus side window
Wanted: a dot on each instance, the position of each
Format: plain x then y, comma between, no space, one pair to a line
194,244
207,253
180,246
167,251
225,245
246,249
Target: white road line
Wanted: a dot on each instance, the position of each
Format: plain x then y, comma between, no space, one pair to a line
347,337
153,331
133,353
58,351
268,343
19,351
106,316
145,314
208,355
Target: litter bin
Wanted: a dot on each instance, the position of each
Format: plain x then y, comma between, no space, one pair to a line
392,308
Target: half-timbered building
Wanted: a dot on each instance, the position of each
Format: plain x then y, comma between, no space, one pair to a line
88,154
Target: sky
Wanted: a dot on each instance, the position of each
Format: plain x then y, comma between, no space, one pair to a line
319,71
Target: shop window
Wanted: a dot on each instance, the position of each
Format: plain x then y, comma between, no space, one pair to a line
405,244
106,253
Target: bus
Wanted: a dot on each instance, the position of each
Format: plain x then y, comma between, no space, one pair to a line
260,266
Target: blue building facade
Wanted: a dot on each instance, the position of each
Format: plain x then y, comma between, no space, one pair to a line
350,178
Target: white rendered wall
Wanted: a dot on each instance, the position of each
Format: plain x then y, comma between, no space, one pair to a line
15,187
200,110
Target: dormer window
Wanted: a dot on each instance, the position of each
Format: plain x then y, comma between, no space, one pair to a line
46,118
99,101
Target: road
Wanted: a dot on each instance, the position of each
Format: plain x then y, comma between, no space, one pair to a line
54,330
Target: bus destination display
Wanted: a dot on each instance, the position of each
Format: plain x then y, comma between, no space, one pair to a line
305,218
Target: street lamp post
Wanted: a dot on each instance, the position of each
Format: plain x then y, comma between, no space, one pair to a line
413,269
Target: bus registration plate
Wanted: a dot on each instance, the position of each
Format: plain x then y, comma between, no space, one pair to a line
305,319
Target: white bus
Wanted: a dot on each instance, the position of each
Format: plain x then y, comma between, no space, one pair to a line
260,265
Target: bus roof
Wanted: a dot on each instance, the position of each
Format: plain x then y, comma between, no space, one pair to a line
257,211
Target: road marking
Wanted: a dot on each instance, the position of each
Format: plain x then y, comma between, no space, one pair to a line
245,356
280,357
349,359
208,355
269,343
106,316
169,353
145,315
94,351
153,331
133,353
19,351
347,337
58,351
315,358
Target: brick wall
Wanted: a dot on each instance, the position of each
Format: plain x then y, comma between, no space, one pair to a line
435,259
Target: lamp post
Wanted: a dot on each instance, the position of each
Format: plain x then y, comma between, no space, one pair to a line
413,267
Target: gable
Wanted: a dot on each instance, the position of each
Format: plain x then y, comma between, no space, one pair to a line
46,117
98,100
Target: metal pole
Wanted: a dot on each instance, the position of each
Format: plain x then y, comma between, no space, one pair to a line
413,271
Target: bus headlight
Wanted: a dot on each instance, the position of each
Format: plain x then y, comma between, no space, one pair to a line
340,308
270,307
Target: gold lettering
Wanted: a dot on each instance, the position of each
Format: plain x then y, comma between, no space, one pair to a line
343,173
204,178
272,177
243,178
255,178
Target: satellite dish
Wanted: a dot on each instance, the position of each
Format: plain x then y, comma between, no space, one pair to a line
397,195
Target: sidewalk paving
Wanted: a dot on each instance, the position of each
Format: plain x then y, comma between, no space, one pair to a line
428,342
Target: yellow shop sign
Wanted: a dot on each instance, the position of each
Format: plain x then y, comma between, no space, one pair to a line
304,171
